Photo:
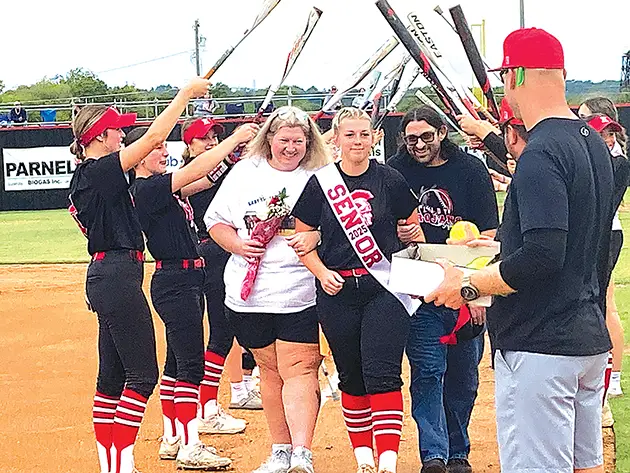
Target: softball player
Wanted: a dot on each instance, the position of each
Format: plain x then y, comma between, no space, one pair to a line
103,208
176,289
365,324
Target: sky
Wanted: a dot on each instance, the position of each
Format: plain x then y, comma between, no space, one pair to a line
44,38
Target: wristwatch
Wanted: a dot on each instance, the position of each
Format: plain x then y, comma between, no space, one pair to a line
468,291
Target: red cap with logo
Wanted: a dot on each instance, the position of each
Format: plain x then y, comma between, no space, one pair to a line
200,128
506,114
531,48
110,119
600,122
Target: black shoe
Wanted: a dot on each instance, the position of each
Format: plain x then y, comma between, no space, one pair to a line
436,465
459,465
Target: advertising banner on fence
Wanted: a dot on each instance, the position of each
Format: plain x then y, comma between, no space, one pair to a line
28,169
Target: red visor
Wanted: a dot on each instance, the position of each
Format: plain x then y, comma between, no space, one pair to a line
506,114
110,119
200,128
600,122
532,48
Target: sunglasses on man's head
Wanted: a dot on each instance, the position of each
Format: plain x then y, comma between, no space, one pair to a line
427,137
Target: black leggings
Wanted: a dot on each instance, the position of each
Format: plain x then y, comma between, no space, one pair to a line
177,298
366,328
126,337
221,333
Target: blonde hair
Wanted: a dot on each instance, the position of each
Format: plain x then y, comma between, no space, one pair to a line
82,122
186,153
317,153
349,113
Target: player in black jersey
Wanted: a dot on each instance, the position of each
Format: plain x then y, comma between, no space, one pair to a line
103,207
176,288
365,324
200,135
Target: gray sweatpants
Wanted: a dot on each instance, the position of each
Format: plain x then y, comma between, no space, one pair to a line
549,411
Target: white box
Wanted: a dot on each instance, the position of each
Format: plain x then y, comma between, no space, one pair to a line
415,272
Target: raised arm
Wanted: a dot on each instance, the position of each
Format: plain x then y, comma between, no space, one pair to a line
162,125
208,160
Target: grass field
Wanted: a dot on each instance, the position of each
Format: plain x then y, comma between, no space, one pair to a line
51,236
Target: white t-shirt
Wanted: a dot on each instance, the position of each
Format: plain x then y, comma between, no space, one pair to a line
283,284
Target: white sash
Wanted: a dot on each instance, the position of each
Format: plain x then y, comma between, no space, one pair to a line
357,231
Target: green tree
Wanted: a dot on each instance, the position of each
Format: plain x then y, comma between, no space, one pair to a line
84,83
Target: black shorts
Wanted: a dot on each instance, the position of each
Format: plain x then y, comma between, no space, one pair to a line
257,330
616,243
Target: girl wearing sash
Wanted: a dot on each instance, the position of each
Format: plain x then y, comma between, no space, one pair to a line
366,325
269,294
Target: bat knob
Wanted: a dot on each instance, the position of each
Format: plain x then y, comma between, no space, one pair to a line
438,10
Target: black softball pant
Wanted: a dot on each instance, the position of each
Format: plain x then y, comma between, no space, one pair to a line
366,328
126,337
221,333
177,297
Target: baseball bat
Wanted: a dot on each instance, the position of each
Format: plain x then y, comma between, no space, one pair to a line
442,65
297,48
474,57
360,74
266,9
365,99
393,78
416,53
398,96
439,11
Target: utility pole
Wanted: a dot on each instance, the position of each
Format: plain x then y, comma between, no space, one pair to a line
197,59
522,13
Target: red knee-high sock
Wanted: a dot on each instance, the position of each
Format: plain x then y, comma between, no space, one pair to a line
129,414
608,374
186,399
387,420
103,413
167,399
357,414
213,368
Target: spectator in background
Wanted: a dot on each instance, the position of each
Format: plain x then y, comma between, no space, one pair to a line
205,106
17,113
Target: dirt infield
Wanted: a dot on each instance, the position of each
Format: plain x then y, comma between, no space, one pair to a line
47,375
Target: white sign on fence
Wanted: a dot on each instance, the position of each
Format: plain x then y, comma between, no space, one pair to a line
37,168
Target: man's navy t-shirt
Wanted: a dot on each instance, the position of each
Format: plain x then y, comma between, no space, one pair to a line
459,189
563,181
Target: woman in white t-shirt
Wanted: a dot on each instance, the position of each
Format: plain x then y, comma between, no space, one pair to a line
270,295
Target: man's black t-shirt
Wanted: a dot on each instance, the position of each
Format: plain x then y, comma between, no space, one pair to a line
166,218
564,182
381,195
459,189
101,204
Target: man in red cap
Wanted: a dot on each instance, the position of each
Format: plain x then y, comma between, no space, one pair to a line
548,332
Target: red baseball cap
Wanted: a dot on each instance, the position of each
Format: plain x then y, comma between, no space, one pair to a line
506,114
110,119
200,128
600,122
531,48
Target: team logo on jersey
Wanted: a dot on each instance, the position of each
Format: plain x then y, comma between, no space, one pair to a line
188,210
436,208
362,199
